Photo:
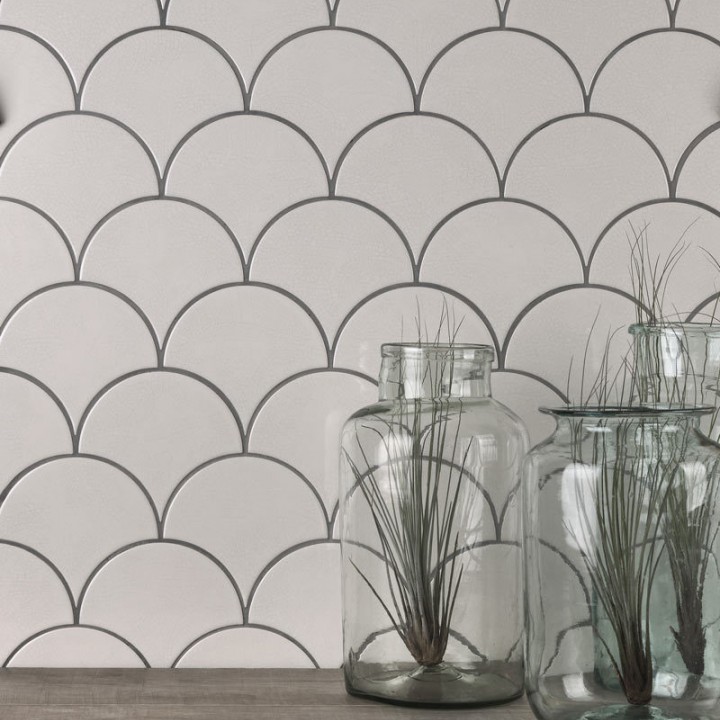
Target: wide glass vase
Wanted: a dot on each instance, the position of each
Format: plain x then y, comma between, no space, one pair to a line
678,364
431,538
621,558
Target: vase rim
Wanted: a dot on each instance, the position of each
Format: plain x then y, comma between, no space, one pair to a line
420,348
691,327
627,411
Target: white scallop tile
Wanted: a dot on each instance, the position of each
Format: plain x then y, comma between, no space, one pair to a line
587,30
161,254
76,511
32,599
699,178
76,339
546,347
160,597
417,29
162,83
479,79
32,426
530,253
524,395
302,423
76,647
300,595
184,424
246,169
245,339
332,84
248,30
331,254
32,254
228,506
700,15
586,170
417,169
77,168
663,84
79,29
33,84
693,278
245,647
392,316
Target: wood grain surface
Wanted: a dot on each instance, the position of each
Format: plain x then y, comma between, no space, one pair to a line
85,694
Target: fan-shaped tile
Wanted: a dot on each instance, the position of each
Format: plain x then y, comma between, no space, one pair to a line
546,346
524,395
75,647
162,84
228,507
32,255
331,254
332,84
417,169
417,29
229,165
79,29
33,598
161,254
77,168
501,255
392,317
585,29
245,647
300,595
245,339
248,30
32,426
76,511
302,422
699,178
693,276
663,84
160,597
700,15
502,85
76,339
586,170
160,425
33,84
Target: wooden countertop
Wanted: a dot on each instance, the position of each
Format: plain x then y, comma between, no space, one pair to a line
205,695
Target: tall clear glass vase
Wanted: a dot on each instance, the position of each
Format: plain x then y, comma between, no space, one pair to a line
621,558
430,530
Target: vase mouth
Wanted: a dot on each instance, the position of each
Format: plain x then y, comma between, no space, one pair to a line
627,411
464,351
684,328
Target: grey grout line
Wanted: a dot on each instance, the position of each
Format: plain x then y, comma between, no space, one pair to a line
503,29
165,541
53,628
255,626
216,460
170,370
51,49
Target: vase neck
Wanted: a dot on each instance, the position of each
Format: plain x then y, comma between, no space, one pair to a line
428,371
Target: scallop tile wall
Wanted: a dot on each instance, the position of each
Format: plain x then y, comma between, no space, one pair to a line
212,213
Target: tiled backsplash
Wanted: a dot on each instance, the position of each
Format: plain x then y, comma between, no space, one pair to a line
212,213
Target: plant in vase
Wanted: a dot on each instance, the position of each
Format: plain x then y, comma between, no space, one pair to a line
427,558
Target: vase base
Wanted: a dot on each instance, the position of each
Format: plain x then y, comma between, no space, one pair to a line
630,712
439,685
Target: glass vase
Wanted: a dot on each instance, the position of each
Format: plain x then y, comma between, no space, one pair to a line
622,585
678,365
430,532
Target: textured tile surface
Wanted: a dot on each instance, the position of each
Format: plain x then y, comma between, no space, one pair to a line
211,215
